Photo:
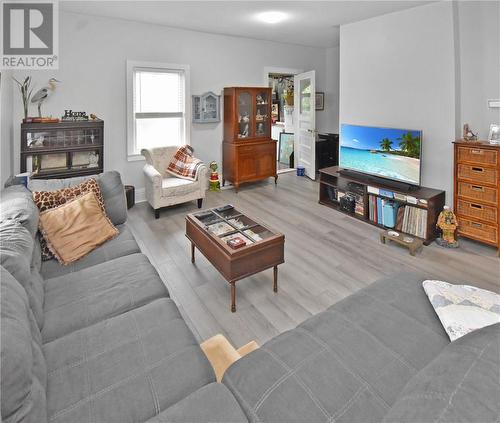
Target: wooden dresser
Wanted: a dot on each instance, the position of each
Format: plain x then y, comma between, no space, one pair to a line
248,151
476,191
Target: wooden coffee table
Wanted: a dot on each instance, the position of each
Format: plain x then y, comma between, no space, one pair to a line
209,231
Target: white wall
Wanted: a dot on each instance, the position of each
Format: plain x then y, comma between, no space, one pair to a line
398,70
6,126
479,49
93,52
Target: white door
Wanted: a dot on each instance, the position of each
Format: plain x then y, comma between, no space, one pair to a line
305,122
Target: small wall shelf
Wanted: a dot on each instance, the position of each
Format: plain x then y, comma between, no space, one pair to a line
206,108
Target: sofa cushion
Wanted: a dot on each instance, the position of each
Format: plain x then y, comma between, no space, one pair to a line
16,203
82,298
16,251
46,200
125,369
121,245
76,228
213,403
346,364
461,385
24,372
112,191
173,187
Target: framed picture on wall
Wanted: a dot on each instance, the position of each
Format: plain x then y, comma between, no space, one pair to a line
320,100
285,147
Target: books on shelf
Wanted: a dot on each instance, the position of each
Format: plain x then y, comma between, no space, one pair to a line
411,220
414,221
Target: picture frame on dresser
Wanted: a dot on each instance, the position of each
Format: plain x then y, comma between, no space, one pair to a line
494,134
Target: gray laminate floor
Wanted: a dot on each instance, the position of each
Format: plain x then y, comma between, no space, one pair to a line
328,255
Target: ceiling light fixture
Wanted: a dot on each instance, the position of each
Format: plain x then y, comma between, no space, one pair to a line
272,17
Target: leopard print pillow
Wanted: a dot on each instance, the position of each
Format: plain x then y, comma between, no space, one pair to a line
46,200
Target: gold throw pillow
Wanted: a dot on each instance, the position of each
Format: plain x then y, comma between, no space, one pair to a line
76,228
49,199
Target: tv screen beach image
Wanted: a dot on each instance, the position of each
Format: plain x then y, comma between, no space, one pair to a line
386,152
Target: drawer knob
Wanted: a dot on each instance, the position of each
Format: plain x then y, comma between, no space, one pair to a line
476,225
477,188
477,169
477,206
476,151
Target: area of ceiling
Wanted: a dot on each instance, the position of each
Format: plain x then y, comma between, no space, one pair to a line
309,23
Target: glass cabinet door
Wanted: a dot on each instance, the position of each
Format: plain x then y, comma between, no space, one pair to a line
245,111
262,121
62,138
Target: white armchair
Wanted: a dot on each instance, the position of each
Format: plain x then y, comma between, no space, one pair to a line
164,189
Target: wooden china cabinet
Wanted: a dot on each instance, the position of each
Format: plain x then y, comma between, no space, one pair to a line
249,152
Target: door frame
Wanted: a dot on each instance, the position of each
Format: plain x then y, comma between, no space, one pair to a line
286,71
311,74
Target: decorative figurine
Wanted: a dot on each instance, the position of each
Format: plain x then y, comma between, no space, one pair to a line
41,95
468,135
214,177
93,159
244,121
448,223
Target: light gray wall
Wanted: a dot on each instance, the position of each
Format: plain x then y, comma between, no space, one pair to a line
397,70
331,122
479,49
6,126
93,54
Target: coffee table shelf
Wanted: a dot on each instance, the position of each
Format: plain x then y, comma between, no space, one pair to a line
209,231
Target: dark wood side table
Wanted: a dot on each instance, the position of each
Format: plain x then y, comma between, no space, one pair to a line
209,231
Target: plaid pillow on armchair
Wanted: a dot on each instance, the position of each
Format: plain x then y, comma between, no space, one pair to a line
183,164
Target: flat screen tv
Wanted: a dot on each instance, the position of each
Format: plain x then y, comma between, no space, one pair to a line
384,152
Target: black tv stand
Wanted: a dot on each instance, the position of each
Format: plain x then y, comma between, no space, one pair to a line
334,180
370,179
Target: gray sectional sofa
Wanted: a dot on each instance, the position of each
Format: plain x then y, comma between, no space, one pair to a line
101,341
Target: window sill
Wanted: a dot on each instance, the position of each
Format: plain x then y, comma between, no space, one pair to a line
135,158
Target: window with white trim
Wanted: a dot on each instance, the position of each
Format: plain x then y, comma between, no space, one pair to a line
158,105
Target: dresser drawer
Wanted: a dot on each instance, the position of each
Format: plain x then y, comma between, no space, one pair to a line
477,230
477,192
476,210
477,173
477,155
257,149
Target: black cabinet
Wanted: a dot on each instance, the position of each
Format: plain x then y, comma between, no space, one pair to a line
327,151
63,149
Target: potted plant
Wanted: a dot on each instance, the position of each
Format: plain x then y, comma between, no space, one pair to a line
26,92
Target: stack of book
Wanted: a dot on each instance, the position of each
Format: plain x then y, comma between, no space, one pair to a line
411,220
376,209
414,221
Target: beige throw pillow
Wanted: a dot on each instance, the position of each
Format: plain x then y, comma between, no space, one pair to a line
75,228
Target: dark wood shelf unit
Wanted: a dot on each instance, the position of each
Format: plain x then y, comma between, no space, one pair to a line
42,140
248,151
330,177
